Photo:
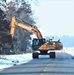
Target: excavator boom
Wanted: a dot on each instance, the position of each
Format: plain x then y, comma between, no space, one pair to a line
30,28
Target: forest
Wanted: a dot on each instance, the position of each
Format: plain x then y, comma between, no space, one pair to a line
22,10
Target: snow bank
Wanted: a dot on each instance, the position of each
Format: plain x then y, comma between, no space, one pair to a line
10,60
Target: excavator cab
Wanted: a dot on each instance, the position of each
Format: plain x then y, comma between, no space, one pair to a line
36,43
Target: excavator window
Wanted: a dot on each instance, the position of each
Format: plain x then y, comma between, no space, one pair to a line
36,43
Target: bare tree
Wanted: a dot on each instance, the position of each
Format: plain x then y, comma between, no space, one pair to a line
22,10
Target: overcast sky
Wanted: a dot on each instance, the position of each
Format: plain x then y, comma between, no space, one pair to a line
55,17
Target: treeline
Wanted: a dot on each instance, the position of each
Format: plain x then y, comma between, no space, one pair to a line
22,10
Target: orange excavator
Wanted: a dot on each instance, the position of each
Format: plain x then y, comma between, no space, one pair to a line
40,45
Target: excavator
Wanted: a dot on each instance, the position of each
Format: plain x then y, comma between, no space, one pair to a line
40,45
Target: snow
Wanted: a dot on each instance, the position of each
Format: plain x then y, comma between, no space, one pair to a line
11,60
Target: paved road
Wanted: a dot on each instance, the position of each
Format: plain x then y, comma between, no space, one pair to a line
42,66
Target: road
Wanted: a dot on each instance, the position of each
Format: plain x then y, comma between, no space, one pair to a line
42,66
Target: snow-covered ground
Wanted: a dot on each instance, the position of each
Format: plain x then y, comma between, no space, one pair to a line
10,60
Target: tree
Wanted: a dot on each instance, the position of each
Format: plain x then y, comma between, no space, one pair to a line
4,24
22,10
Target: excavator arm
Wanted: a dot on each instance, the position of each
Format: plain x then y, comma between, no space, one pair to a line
28,27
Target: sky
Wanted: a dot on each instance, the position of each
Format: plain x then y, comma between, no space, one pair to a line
55,17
